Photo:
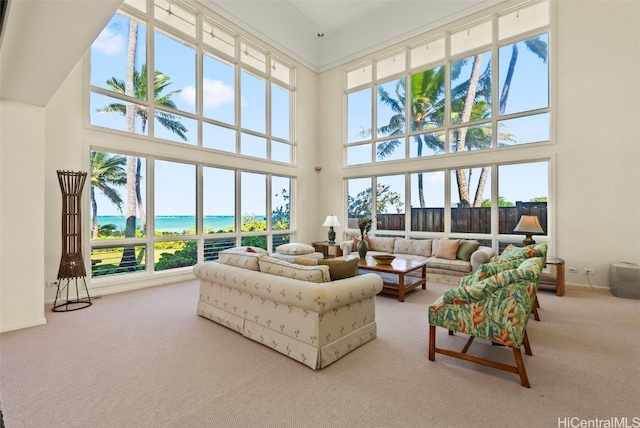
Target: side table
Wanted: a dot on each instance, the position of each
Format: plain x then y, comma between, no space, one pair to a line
329,250
558,278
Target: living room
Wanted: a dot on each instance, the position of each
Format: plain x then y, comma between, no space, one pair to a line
592,183
53,136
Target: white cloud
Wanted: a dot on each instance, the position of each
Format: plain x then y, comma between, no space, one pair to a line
109,43
215,93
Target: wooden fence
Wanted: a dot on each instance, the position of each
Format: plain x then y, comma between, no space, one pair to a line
464,220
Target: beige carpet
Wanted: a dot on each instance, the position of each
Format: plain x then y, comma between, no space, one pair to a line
145,359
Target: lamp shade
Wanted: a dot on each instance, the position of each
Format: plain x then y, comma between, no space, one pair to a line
528,224
331,220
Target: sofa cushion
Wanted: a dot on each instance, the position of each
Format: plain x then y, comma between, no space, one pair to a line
448,265
447,249
289,258
416,247
241,259
385,245
466,248
341,268
294,249
274,266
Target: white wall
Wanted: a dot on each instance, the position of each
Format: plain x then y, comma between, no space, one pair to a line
598,135
22,215
596,155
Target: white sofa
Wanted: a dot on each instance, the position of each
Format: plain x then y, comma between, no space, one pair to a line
315,323
438,269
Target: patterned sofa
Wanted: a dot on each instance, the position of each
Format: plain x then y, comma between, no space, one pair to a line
492,304
294,309
466,258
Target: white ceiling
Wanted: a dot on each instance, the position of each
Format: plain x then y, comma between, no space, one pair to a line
351,28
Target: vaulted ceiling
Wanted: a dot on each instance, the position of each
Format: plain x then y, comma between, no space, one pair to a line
350,28
42,40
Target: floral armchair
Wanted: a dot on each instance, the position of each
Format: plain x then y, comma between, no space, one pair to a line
493,304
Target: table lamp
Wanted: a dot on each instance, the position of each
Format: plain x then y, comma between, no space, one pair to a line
528,225
331,221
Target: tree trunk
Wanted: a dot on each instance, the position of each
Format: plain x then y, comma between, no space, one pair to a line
481,185
143,218
129,255
94,209
462,132
507,81
420,183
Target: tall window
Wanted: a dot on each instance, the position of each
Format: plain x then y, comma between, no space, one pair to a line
172,103
522,190
211,92
480,87
427,201
482,92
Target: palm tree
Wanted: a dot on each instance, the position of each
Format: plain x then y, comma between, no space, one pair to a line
160,83
135,85
106,171
427,111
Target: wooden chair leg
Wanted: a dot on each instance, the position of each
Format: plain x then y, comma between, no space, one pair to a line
432,342
534,308
520,366
525,342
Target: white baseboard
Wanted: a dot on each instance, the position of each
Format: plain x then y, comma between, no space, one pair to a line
33,323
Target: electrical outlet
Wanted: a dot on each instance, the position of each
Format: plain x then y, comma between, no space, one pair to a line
590,271
572,270
53,283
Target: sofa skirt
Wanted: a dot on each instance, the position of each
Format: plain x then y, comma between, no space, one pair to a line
312,356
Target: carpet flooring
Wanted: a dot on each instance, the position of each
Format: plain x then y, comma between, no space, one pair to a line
145,359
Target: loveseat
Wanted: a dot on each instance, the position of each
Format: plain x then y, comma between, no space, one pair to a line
492,304
294,309
461,258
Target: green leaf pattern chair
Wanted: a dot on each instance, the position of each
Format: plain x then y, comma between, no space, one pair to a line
493,304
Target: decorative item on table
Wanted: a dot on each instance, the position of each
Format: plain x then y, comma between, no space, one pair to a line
383,259
331,221
365,226
528,225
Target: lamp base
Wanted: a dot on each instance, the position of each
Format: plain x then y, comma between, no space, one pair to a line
528,240
332,236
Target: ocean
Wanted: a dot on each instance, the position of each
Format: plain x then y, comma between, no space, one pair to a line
176,223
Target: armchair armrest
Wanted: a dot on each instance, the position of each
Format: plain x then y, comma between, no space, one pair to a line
346,247
481,256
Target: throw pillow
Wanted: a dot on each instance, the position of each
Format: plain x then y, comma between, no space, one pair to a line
466,248
246,249
356,240
341,268
294,249
448,249
305,261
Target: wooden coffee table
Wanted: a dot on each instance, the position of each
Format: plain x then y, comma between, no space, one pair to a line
394,276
